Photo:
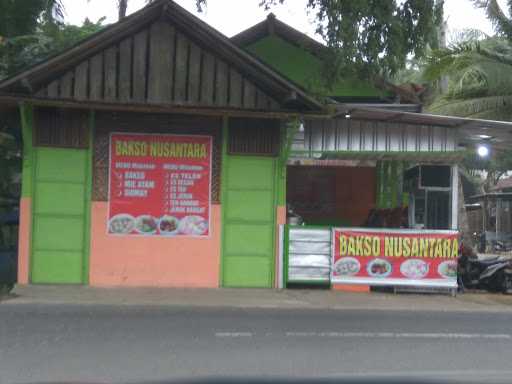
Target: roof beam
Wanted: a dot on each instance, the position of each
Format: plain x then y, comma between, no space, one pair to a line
13,100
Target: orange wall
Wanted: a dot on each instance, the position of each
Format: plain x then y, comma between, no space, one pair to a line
24,239
153,261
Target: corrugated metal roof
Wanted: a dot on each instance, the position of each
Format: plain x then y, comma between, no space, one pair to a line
472,132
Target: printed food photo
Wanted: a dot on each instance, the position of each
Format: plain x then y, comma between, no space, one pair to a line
414,269
448,269
193,225
146,225
379,268
168,225
121,224
347,266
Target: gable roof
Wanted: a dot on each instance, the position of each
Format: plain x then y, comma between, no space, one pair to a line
274,41
270,26
287,94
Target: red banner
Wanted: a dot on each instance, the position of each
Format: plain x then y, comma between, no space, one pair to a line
159,185
395,257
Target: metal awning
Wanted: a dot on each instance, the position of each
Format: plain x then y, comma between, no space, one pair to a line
471,132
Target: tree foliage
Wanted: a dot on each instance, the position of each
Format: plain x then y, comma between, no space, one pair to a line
30,30
23,17
478,69
501,23
495,166
18,52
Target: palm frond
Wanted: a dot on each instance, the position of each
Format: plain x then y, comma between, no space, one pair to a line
501,23
465,35
492,107
447,60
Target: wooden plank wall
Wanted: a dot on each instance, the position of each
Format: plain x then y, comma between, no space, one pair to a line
61,128
159,65
253,137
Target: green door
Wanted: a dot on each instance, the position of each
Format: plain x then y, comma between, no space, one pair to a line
59,204
248,222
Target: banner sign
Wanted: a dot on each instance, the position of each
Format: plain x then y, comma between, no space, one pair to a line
160,185
395,257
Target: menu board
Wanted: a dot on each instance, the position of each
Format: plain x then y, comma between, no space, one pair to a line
159,185
395,257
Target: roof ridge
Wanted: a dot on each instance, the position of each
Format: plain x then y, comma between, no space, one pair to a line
281,29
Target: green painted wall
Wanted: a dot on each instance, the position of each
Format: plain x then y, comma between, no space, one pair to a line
60,183
59,216
305,69
248,220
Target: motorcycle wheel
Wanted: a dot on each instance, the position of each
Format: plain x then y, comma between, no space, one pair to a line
507,284
5,289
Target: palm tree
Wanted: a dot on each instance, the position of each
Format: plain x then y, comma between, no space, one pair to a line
480,70
480,74
502,24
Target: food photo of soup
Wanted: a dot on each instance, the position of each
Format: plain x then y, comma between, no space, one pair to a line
193,225
448,269
347,266
414,269
121,224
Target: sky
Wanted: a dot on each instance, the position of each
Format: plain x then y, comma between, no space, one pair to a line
233,16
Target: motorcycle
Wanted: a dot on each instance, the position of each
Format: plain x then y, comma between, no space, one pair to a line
499,246
493,274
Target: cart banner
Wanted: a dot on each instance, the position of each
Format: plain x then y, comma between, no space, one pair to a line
395,257
160,185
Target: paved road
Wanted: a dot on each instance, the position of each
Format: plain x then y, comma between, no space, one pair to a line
138,344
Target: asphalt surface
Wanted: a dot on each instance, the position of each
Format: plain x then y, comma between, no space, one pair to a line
48,343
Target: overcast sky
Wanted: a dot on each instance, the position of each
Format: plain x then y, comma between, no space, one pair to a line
233,16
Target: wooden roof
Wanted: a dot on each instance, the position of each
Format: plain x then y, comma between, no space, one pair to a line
160,55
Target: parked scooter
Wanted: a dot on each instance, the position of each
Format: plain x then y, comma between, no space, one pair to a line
494,274
498,246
